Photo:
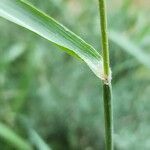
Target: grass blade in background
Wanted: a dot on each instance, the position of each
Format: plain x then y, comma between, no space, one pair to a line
13,53
11,137
29,17
128,46
38,141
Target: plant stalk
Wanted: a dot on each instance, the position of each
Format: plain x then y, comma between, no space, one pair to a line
107,91
108,113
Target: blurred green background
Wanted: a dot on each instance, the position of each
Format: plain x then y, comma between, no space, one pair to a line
50,99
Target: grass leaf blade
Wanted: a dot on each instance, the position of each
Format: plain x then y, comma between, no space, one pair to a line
11,137
27,16
38,141
129,47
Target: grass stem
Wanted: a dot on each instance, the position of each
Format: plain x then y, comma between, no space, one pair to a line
108,113
107,93
104,36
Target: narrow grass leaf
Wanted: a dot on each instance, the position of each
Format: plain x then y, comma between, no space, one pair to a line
27,16
11,137
38,141
129,47
13,53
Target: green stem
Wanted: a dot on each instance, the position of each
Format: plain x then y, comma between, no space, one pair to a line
107,94
104,36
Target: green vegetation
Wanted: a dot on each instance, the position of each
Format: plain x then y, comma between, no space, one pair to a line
49,100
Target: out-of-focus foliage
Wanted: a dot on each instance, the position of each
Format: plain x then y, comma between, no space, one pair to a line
48,96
